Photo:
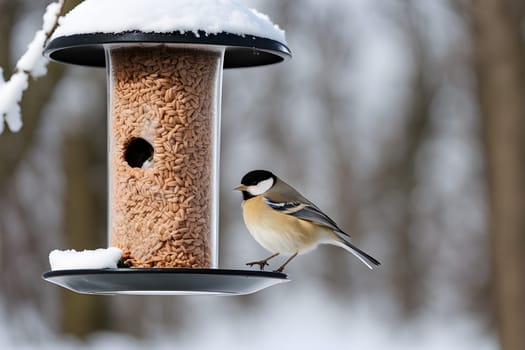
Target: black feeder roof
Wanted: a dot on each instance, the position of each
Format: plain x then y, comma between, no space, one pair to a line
241,50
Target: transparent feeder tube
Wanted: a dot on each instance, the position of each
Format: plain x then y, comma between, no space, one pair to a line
163,134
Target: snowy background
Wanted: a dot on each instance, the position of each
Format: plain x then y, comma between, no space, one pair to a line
375,119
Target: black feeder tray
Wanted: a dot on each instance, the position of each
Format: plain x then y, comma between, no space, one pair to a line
164,281
239,51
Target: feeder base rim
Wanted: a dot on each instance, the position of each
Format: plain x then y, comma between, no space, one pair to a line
164,281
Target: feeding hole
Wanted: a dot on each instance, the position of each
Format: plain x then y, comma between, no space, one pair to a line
139,153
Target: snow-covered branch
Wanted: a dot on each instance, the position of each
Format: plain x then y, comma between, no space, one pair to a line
31,63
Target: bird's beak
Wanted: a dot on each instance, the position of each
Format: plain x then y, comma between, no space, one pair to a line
240,187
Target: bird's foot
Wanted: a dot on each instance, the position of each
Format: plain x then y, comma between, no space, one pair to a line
261,263
281,268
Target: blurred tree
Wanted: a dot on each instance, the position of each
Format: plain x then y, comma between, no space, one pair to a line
83,210
500,66
14,148
85,219
397,178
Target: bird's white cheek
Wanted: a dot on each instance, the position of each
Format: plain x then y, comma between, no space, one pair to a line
261,187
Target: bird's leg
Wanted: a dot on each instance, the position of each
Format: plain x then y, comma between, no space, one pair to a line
262,263
281,268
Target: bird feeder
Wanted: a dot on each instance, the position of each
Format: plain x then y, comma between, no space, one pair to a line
164,62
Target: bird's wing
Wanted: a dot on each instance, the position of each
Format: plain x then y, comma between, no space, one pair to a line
305,211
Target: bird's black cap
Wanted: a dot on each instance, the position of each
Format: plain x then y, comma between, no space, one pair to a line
256,176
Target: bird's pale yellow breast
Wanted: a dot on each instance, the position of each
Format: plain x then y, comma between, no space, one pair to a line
278,232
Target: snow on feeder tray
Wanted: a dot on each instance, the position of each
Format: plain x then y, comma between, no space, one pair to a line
164,61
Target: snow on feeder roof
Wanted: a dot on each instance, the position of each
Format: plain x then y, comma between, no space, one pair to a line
250,38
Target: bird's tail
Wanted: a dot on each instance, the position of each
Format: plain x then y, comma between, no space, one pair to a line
366,259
